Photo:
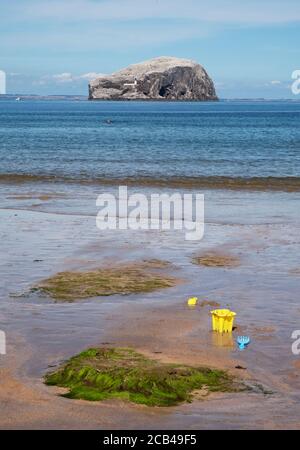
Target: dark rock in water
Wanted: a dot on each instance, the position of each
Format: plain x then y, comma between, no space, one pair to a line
164,78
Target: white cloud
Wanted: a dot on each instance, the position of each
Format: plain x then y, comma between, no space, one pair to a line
277,84
220,11
65,77
108,36
90,76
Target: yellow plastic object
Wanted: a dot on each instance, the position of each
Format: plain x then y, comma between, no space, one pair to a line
222,320
192,301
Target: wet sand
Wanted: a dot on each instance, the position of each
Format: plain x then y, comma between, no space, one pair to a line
170,336
262,290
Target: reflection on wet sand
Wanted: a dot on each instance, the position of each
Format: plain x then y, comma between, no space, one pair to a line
222,340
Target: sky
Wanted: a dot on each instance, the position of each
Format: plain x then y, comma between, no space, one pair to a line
249,47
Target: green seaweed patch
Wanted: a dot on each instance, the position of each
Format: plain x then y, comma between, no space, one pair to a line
216,260
155,263
122,280
105,373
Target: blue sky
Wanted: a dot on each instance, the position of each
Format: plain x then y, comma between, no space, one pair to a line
249,47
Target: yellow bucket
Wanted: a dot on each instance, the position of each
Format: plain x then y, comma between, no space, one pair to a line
222,320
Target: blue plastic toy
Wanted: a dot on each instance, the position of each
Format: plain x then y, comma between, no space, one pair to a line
243,341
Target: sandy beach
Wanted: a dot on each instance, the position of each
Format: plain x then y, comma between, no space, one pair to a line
39,241
149,220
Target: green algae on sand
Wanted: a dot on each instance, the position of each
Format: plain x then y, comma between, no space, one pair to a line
126,279
216,260
105,373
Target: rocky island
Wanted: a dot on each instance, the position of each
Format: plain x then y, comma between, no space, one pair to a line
163,78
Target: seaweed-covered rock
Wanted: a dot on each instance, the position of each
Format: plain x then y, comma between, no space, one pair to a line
108,373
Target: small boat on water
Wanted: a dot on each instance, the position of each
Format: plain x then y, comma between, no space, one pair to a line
18,99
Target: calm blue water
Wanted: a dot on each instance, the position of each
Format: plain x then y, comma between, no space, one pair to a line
154,140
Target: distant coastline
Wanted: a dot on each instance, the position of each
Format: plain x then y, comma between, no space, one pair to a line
43,97
81,97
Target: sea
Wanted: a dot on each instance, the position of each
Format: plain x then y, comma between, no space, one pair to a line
251,145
